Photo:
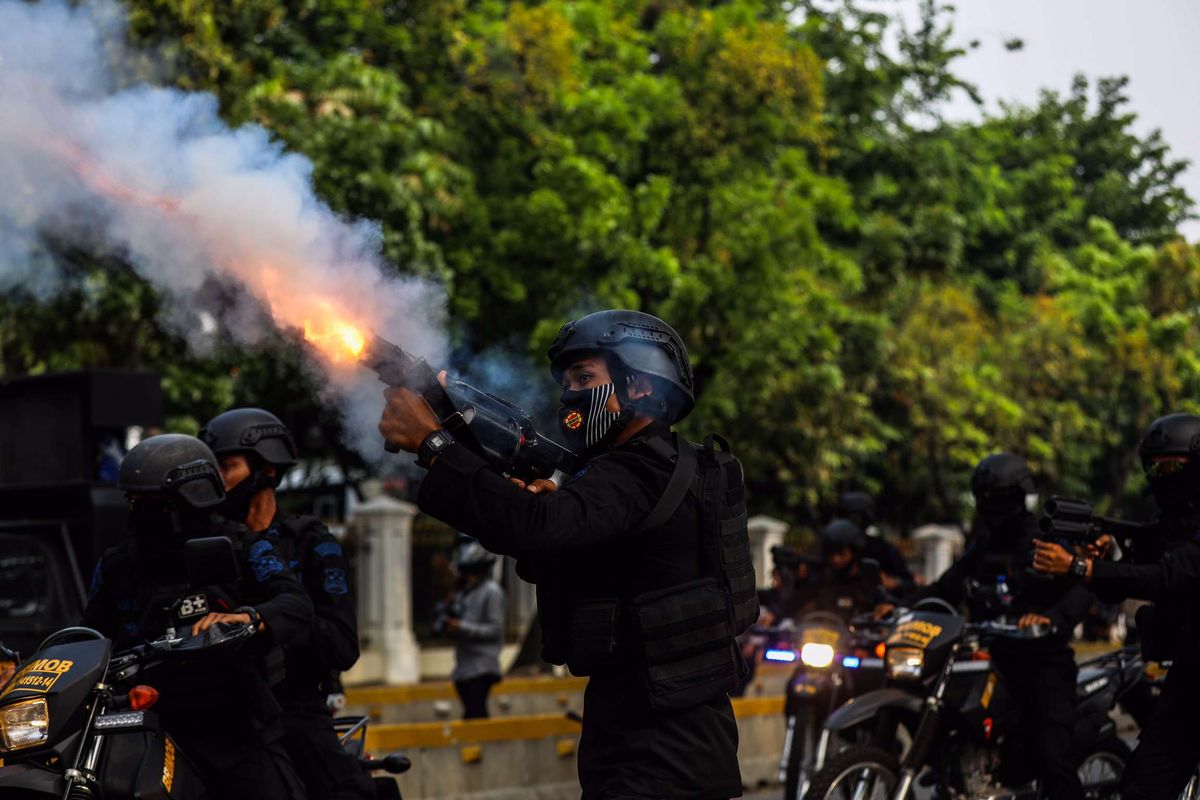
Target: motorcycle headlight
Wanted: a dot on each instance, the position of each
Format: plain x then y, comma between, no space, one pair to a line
25,724
905,663
816,655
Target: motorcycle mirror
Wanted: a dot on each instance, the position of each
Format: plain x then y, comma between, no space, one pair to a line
394,764
210,561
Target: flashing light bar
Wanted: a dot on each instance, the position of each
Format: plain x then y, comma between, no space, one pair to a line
786,656
851,662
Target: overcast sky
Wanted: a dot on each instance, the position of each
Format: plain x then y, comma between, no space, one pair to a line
1154,42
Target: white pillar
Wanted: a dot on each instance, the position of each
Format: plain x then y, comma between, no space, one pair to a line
383,528
940,545
765,533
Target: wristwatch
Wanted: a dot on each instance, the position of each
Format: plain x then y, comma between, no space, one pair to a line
432,447
1078,567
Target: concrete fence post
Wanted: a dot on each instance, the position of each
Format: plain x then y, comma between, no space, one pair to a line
765,533
940,545
382,527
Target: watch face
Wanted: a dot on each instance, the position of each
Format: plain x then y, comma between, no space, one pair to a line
437,440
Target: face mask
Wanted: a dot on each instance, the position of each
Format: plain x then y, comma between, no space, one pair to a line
160,526
236,505
1175,494
583,418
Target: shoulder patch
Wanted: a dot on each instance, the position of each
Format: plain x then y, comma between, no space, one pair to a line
335,582
328,549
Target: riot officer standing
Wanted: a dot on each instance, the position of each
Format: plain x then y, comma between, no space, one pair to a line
993,579
642,584
228,723
254,450
1168,750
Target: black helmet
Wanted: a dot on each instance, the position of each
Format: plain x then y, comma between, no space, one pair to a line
840,534
1172,435
858,506
1169,450
173,466
640,342
251,430
1000,483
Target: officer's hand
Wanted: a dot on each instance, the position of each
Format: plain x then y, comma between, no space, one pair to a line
452,625
1051,558
407,419
7,670
538,486
882,610
1029,620
1101,548
229,619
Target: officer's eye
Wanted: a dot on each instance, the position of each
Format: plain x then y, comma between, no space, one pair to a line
584,378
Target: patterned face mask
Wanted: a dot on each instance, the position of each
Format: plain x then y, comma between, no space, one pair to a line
583,418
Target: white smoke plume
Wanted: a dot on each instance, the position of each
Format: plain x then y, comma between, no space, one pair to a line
155,175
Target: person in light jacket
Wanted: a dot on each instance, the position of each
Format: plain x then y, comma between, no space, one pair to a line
475,619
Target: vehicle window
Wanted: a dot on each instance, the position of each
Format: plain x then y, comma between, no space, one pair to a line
27,580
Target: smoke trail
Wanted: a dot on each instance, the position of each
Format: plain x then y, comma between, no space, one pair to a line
156,175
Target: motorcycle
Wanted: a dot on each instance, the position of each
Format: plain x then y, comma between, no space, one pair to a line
834,662
944,695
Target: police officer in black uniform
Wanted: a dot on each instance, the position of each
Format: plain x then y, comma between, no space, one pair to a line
227,721
844,587
1169,750
859,508
993,578
254,451
626,585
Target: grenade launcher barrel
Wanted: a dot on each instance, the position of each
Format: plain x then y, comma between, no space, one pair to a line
498,431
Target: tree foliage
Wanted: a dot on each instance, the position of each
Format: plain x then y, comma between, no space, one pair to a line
873,295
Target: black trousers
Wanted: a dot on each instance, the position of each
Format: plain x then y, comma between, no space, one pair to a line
473,693
327,770
1169,749
1043,682
630,751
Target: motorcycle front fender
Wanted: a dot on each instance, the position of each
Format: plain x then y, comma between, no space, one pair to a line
858,710
31,780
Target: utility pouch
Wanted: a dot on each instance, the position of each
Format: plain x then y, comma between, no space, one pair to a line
593,635
688,651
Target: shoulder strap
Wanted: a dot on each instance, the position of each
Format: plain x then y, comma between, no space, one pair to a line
677,486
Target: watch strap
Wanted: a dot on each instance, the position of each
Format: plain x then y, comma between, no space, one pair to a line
432,446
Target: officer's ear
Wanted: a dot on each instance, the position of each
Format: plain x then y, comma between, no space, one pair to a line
270,471
639,386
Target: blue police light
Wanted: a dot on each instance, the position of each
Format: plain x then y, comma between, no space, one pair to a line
787,656
851,662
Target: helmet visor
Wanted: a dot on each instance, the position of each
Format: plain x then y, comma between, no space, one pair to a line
1166,466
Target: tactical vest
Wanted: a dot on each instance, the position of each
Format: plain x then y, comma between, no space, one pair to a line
681,638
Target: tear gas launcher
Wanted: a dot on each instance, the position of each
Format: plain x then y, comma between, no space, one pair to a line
495,429
1075,520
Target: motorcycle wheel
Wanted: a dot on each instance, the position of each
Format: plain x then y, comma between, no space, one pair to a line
862,772
1102,769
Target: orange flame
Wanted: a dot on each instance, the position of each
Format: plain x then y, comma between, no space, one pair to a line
329,329
337,338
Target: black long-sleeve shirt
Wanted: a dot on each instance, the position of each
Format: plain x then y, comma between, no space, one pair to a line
991,554
587,521
331,641
1172,583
